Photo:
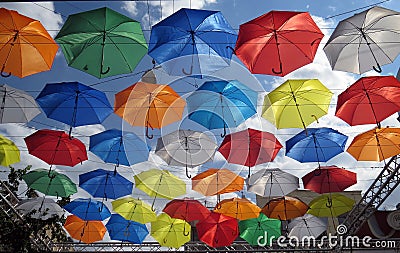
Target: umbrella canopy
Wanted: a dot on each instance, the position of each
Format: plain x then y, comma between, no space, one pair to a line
56,147
217,181
50,182
134,209
126,230
307,225
200,39
296,103
74,104
329,179
217,230
376,144
186,209
150,105
105,184
239,208
252,229
369,100
222,104
88,209
118,147
40,208
330,205
102,42
278,42
186,148
170,232
360,43
84,231
17,106
27,48
272,183
284,208
9,152
316,145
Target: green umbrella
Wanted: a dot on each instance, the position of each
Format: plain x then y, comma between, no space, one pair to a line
102,42
50,182
252,229
330,205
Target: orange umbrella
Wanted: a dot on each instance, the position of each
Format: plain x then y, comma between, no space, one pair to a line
84,231
26,47
284,208
376,144
149,105
217,181
239,208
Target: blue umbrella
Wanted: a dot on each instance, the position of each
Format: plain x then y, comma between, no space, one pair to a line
74,104
105,184
88,209
115,146
316,145
221,104
202,39
126,230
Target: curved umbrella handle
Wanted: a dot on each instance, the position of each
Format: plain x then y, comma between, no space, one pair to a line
231,48
280,69
378,68
4,74
104,72
185,233
187,173
224,133
329,203
188,73
147,133
165,240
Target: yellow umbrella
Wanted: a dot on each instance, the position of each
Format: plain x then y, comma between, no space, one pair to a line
9,153
239,208
296,103
330,205
134,209
170,232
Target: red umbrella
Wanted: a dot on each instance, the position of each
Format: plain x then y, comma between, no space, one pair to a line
369,100
217,230
250,147
186,209
329,179
56,147
278,42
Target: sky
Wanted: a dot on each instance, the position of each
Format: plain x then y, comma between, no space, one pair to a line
53,14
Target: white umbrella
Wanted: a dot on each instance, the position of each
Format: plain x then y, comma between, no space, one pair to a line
307,225
40,208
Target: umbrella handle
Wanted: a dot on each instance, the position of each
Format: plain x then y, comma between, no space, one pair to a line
147,133
104,72
187,173
188,73
280,69
184,231
4,74
224,133
329,203
378,68
231,48
165,240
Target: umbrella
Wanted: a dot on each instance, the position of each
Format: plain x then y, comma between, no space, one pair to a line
278,42
170,232
17,106
105,184
186,209
126,230
330,205
222,104
40,208
27,48
307,225
217,181
217,230
376,144
369,100
365,41
250,147
102,42
329,179
56,147
272,183
134,209
252,229
9,152
239,208
150,105
284,208
316,145
296,103
50,182
185,148
84,231
116,146
199,39
88,209
74,104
